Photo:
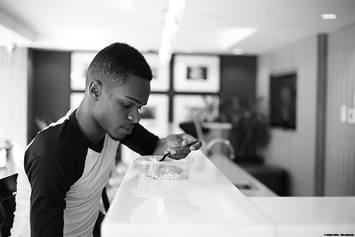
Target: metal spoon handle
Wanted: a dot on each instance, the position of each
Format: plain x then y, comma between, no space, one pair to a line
191,143
187,145
164,156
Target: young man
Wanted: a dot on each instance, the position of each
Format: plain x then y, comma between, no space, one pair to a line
67,165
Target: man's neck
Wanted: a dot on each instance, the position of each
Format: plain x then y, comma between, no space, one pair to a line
87,123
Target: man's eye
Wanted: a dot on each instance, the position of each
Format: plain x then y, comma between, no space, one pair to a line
127,105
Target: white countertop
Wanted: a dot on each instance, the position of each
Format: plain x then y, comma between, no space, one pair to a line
207,204
240,177
309,216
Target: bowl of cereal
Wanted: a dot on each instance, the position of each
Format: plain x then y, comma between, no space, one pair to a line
169,169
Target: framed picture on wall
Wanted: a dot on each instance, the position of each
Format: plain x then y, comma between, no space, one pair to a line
196,73
283,100
161,79
186,107
80,62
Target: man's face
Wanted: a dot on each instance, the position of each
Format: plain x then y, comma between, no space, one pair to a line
117,108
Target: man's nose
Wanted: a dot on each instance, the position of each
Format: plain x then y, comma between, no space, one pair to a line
134,116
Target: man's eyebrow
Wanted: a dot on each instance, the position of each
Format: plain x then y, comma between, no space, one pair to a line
135,100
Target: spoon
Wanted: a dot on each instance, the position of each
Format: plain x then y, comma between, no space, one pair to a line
168,153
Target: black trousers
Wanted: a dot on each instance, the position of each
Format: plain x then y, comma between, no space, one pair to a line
97,228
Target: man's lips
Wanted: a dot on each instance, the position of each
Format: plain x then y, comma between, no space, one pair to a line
127,129
130,127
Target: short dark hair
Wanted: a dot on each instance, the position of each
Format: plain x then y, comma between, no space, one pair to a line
116,61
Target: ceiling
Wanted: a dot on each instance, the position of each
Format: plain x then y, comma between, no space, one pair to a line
92,24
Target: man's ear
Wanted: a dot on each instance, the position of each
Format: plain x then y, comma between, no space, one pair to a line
95,88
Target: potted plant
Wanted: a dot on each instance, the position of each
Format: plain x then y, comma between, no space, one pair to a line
249,133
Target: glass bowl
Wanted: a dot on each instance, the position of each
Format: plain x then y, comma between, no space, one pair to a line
172,189
169,169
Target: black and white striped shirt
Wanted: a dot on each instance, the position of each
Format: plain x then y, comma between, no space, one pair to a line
60,184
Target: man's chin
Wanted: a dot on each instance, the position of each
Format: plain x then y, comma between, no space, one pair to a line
118,137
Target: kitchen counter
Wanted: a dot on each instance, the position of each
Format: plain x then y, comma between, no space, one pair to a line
208,204
244,181
309,216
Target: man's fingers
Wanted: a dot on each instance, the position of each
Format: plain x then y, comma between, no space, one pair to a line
196,146
180,145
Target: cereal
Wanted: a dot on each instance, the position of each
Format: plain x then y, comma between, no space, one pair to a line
170,172
150,167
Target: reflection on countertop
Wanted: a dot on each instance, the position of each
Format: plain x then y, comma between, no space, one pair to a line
206,204
209,204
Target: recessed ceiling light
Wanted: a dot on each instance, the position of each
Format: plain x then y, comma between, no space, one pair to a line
237,51
328,16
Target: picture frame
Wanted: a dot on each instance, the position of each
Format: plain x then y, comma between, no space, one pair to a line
186,107
79,65
161,75
283,100
194,73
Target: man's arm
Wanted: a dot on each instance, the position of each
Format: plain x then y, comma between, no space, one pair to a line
50,173
145,143
141,140
177,145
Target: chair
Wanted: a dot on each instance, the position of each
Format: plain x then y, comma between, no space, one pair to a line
7,203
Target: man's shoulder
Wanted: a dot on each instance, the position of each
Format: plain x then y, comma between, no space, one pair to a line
55,145
51,152
52,138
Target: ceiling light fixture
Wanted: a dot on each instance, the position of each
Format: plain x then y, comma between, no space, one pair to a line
328,16
170,28
237,51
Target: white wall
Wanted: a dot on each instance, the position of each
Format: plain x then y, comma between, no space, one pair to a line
340,136
293,150
13,95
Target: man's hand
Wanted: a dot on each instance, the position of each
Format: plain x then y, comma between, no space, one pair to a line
178,145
